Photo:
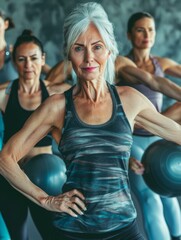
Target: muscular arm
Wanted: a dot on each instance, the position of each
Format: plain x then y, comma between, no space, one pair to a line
48,117
59,73
170,67
133,75
140,111
137,76
46,69
56,87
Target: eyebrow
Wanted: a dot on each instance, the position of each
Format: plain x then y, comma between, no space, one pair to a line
79,44
34,55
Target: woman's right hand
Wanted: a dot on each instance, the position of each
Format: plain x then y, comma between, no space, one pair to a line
72,203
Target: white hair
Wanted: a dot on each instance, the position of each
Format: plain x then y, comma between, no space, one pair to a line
79,20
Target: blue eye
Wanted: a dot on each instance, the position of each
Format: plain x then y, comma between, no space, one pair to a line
97,47
78,49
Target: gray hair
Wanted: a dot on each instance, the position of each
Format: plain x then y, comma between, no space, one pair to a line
79,20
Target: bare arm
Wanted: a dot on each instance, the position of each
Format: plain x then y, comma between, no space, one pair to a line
135,75
48,117
140,111
170,67
46,69
56,87
59,73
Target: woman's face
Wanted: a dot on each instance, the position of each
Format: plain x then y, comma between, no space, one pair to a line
29,61
89,55
143,33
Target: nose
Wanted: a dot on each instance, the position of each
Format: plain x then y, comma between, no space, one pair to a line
28,63
146,33
88,56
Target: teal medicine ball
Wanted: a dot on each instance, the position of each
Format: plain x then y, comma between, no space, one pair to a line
47,171
162,162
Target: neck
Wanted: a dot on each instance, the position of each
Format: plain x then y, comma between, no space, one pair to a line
93,91
141,55
29,86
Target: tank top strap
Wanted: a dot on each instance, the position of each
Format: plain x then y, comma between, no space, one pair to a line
45,93
115,93
68,98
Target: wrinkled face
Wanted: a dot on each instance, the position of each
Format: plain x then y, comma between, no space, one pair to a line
29,61
89,55
143,33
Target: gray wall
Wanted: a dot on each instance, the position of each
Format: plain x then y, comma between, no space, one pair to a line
46,18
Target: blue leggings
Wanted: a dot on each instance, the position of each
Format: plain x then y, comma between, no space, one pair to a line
162,215
4,235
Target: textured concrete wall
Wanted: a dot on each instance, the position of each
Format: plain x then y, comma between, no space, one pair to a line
46,17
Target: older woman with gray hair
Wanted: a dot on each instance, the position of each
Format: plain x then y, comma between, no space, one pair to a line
93,123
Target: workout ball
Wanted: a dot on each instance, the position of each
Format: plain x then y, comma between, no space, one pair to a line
162,162
47,171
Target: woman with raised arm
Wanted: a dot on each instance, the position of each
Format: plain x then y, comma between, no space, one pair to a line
163,218
93,123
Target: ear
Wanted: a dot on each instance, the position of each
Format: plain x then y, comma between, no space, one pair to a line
108,54
43,59
6,24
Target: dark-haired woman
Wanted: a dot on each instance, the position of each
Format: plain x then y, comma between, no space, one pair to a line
162,216
18,100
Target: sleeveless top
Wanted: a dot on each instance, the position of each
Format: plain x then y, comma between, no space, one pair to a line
8,71
154,96
96,157
15,116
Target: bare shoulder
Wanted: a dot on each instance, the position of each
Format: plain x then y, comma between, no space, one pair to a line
133,103
166,62
54,101
130,96
123,62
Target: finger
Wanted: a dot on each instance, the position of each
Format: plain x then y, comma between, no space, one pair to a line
73,206
71,212
75,192
79,203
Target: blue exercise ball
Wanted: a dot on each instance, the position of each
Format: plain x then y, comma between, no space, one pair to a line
162,162
47,171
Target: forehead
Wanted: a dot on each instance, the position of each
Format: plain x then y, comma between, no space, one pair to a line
144,22
28,49
90,35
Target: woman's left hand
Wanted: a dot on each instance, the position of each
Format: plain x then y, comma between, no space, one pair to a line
136,166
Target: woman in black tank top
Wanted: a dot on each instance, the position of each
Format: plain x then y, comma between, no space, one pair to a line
19,100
